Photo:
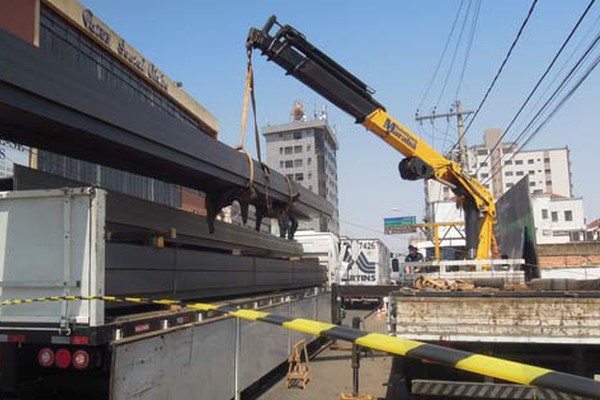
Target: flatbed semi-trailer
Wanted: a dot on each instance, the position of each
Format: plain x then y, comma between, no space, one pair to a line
122,348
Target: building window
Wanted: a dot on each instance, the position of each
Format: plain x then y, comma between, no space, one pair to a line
519,162
297,135
289,164
544,214
509,185
309,175
298,162
538,191
568,215
280,164
309,187
530,161
281,150
288,150
546,160
483,176
308,147
484,164
508,162
482,152
508,173
554,216
531,172
549,183
299,177
297,149
531,184
308,161
519,173
547,171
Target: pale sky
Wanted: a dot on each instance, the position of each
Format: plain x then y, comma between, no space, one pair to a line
393,46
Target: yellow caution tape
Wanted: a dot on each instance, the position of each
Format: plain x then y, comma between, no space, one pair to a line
484,365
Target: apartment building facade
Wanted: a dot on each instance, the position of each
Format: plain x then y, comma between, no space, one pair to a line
305,151
558,215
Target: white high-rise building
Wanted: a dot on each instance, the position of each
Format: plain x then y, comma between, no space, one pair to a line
558,216
305,151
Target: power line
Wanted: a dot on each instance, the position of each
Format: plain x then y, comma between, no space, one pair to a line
439,64
451,67
559,89
502,65
469,45
539,82
566,63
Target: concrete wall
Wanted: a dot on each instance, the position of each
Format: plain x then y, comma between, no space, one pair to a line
560,175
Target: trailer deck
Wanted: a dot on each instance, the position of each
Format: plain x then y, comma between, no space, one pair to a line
507,317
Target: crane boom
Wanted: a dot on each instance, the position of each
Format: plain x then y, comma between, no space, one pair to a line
298,57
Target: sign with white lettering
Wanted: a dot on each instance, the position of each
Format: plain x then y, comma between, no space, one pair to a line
11,154
118,45
397,225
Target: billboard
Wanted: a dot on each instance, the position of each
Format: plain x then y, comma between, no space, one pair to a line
396,225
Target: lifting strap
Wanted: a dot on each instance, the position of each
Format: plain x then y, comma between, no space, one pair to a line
249,96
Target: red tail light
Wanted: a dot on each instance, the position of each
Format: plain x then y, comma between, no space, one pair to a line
81,359
63,358
46,357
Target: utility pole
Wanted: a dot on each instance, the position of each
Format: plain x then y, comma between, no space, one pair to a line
460,122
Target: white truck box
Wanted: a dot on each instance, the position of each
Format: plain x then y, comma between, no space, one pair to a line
52,245
326,247
364,262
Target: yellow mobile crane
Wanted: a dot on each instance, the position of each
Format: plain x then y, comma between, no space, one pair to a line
298,57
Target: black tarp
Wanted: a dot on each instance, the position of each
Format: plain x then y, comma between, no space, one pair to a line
515,230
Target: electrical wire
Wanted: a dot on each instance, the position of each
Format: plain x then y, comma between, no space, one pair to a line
565,64
469,45
539,82
439,64
557,91
451,67
563,101
502,65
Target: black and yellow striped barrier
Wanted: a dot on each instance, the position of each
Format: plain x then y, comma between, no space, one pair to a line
484,365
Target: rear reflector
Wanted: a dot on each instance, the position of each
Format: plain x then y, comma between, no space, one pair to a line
63,358
15,338
46,357
80,340
81,359
142,328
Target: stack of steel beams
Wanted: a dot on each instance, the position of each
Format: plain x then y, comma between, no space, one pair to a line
49,103
193,263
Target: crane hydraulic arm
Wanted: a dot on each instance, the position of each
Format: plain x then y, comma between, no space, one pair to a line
289,49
